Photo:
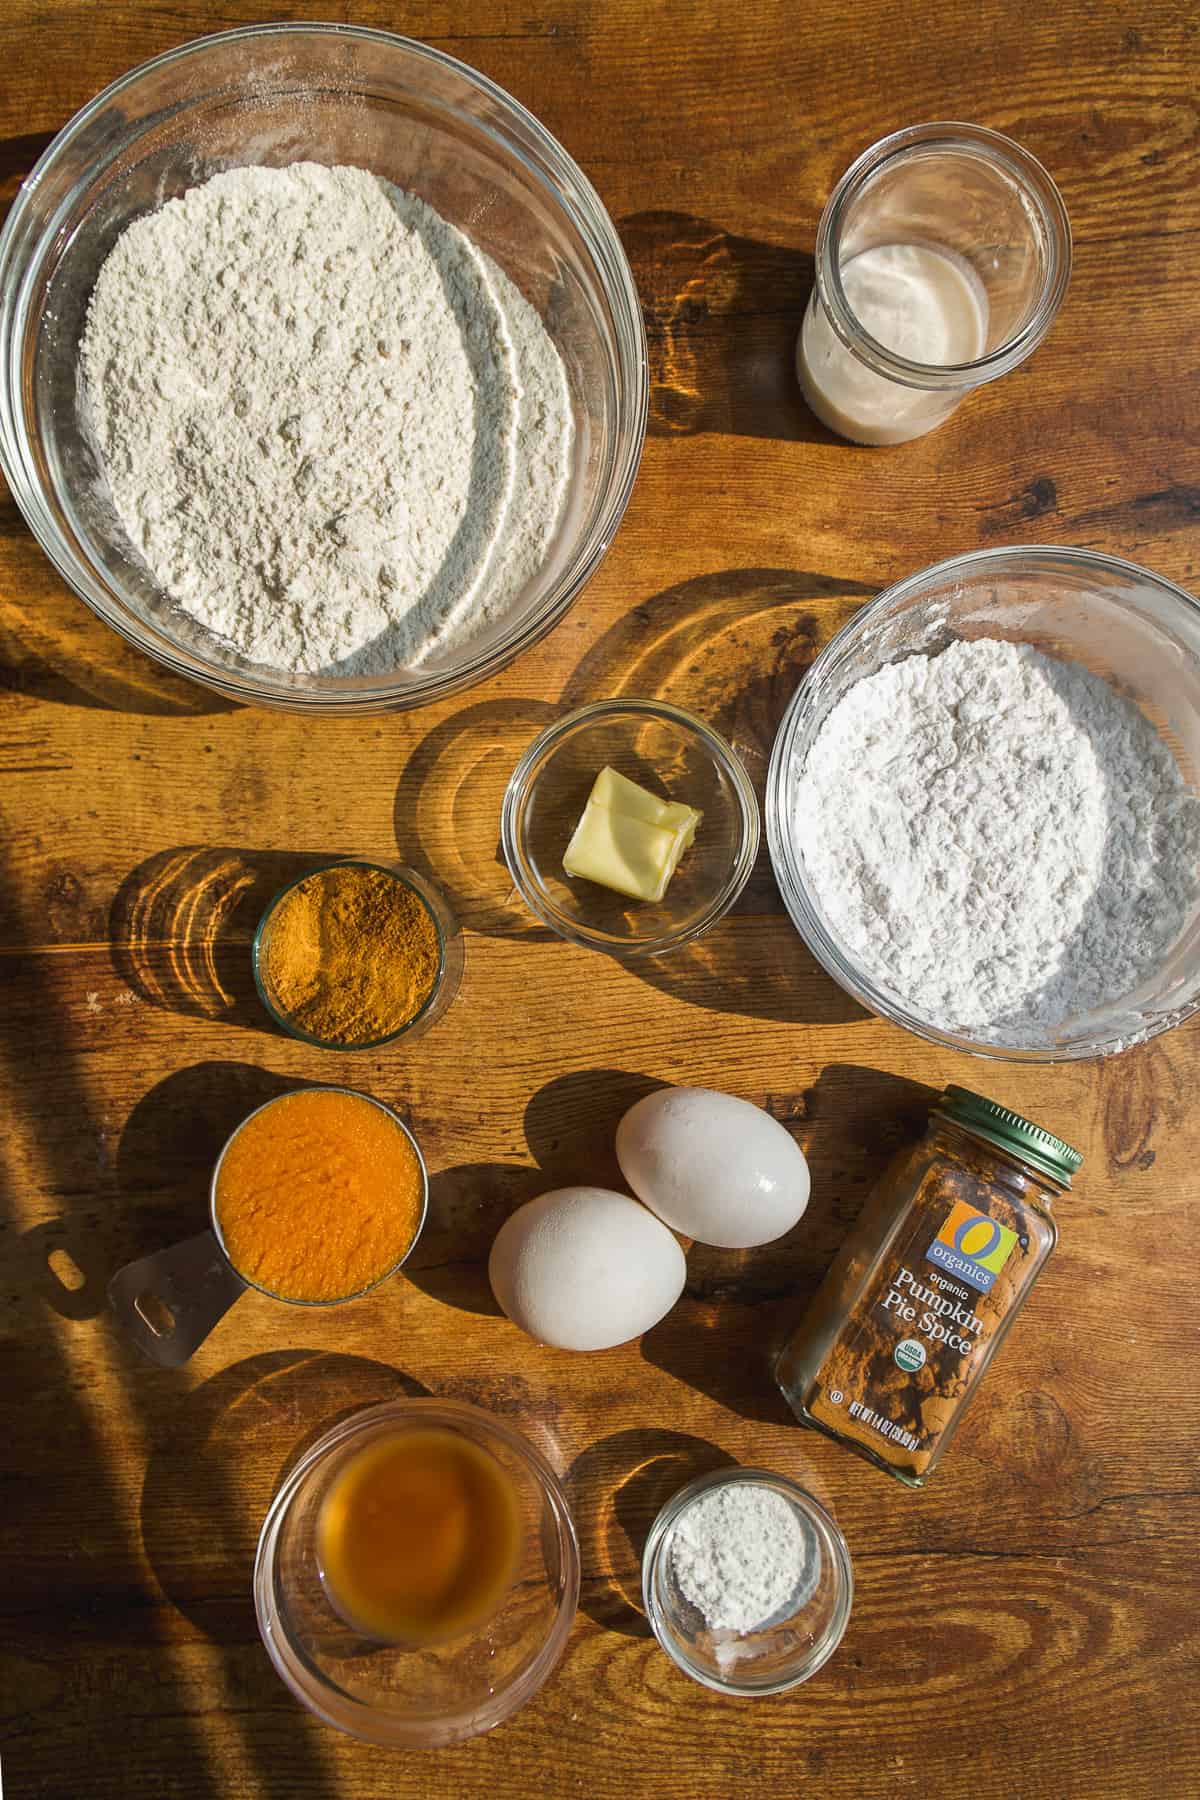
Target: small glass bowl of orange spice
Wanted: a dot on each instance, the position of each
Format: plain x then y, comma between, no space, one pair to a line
355,954
317,1198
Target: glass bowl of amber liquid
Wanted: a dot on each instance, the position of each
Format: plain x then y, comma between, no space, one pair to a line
333,984
430,1689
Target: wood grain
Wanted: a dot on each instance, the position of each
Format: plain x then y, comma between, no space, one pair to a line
1026,1629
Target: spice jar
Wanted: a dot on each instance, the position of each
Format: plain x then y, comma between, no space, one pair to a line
917,1301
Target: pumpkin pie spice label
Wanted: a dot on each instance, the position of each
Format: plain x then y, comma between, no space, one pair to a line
972,1246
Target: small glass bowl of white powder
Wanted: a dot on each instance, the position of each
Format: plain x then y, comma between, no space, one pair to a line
747,1582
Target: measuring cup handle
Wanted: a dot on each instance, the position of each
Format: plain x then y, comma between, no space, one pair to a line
169,1302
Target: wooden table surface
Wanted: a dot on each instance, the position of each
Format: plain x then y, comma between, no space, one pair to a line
1024,1630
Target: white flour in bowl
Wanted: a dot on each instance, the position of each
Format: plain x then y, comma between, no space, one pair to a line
1000,839
334,430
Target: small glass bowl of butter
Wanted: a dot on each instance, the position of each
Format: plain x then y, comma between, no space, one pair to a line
653,814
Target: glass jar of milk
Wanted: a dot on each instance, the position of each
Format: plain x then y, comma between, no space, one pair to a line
942,258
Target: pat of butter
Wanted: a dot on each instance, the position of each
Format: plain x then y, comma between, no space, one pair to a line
621,795
630,840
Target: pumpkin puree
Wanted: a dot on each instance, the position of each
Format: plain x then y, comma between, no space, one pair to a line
318,1196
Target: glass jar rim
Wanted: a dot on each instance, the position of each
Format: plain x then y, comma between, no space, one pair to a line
1038,187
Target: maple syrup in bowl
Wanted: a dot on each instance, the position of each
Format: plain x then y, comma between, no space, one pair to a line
417,1573
419,1536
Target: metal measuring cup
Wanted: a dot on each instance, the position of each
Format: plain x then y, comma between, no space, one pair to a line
170,1301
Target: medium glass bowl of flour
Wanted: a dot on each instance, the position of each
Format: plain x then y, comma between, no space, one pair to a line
323,372
982,806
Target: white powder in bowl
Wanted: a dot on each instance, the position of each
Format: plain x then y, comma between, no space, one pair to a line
1000,839
741,1555
333,429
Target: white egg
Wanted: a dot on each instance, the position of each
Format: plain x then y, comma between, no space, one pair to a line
584,1268
716,1168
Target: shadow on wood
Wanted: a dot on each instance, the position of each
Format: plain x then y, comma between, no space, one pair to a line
64,1447
616,1489
65,1266
467,1206
18,153
237,1436
170,1146
722,317
183,922
447,813
53,648
569,1127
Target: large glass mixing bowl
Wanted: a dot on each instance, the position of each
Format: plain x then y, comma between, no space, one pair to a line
1122,622
274,95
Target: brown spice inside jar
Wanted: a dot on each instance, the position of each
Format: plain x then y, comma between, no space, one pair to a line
351,954
860,1363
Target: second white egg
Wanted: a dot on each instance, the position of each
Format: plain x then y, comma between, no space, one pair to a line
714,1167
584,1268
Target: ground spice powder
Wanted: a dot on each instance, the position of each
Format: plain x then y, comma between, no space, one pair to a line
319,1195
351,954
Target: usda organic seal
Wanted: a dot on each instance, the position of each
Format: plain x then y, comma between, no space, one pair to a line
910,1354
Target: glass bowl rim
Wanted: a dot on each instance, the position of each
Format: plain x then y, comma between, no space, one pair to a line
319,1087
359,1716
660,1537
281,1019
567,188
722,754
787,863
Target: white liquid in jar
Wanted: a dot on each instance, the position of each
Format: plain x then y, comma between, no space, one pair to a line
922,304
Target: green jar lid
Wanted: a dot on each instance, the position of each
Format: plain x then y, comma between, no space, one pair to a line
1009,1131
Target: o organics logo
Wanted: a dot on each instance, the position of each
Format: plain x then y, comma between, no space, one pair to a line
972,1247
